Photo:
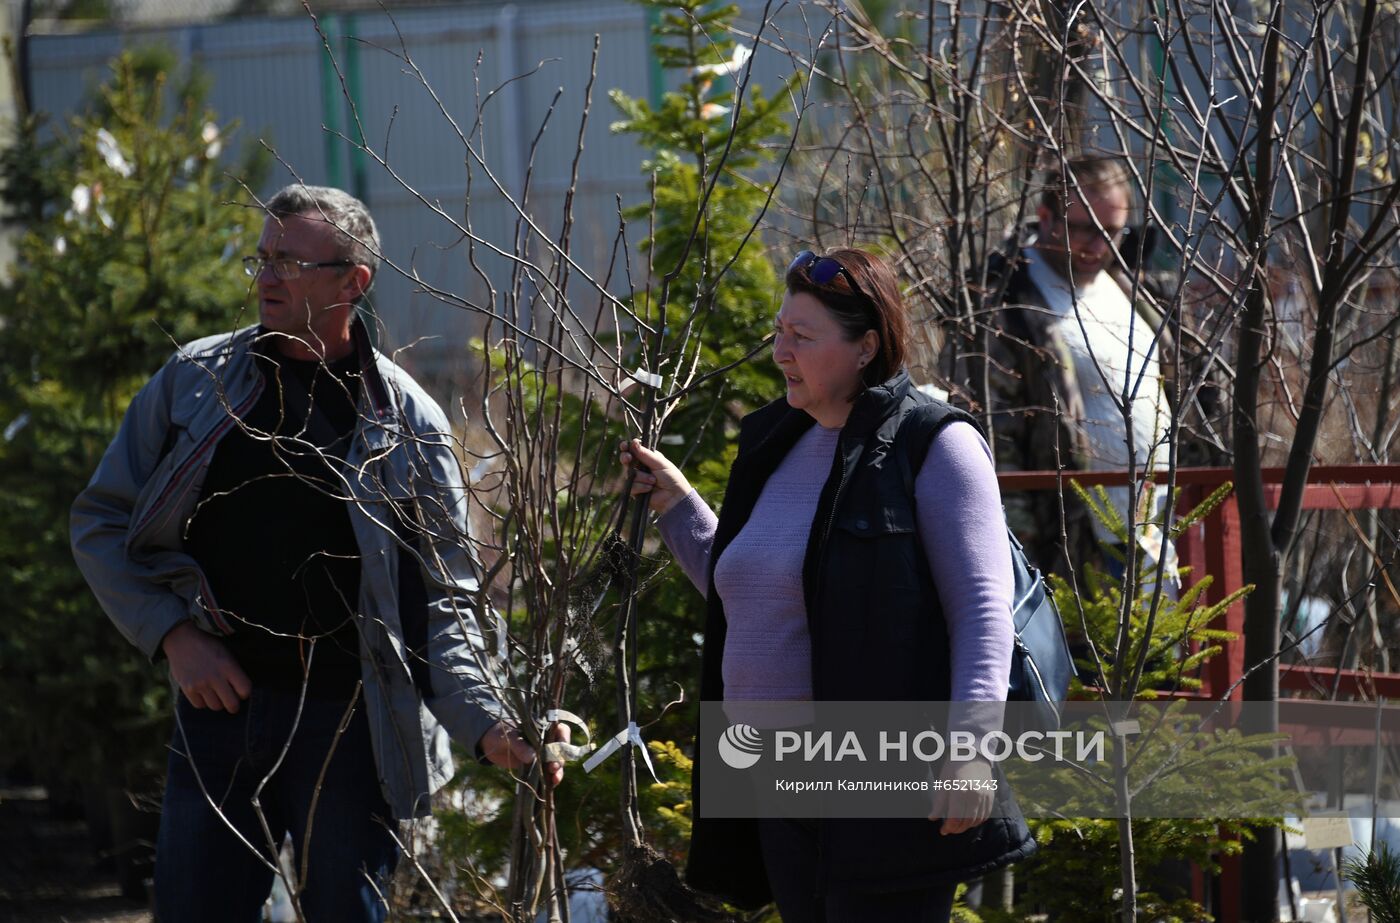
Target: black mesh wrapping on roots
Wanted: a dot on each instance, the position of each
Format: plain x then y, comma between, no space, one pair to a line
647,889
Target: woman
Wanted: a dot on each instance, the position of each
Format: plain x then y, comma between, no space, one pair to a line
827,580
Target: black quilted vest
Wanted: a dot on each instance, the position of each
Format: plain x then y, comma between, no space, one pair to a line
878,634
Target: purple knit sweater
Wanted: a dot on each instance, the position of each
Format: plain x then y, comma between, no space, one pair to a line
767,651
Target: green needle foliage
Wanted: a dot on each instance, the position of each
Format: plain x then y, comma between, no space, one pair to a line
1377,880
1172,763
709,153
129,246
1179,624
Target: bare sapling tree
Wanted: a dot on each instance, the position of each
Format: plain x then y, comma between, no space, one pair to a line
580,346
1265,127
1295,96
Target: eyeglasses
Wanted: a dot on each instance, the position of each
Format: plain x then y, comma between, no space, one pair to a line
286,269
823,270
1088,232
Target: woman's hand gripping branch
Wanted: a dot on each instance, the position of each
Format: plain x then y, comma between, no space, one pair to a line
653,474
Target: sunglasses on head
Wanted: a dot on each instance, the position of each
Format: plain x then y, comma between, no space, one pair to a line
823,270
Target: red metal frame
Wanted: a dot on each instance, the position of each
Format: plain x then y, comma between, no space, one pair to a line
1213,547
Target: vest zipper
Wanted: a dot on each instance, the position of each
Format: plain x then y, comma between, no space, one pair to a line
821,562
816,590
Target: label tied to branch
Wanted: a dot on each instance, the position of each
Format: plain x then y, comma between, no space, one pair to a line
630,735
650,379
559,751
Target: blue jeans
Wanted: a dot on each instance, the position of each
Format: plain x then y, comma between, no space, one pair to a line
332,807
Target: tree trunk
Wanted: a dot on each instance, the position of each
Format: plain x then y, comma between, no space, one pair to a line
1260,555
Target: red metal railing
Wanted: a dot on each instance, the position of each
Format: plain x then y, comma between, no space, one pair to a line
1213,547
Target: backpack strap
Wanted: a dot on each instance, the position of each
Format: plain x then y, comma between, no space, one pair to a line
916,433
1041,662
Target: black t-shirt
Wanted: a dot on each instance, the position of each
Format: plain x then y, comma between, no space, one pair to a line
272,530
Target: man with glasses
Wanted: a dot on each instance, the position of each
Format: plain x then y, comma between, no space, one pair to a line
282,518
1068,335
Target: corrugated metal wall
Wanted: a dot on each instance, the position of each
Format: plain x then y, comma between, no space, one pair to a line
273,77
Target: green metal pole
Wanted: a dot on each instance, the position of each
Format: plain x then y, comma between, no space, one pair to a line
331,105
359,164
656,78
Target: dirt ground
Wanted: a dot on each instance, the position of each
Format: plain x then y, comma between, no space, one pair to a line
48,871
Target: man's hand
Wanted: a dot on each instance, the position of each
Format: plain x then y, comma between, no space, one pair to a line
504,747
204,670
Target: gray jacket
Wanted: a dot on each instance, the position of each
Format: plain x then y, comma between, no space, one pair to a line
406,490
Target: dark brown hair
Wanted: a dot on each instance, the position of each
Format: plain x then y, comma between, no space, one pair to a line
1093,175
882,311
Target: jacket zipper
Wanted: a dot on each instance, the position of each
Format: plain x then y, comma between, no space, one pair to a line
199,451
160,502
